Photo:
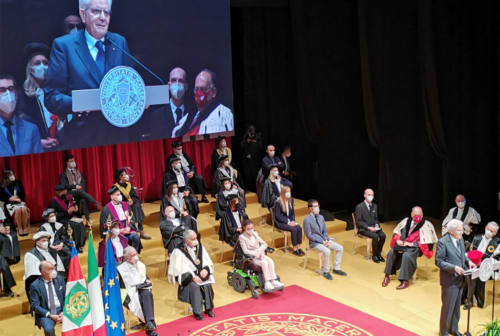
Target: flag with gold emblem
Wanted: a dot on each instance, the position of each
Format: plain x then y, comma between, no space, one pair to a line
113,309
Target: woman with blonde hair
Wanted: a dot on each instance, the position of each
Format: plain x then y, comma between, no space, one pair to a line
284,219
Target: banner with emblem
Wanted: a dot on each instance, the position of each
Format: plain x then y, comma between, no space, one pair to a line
113,308
77,319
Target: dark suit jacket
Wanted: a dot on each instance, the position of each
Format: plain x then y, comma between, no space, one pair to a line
27,139
280,215
160,121
267,162
365,218
65,181
172,235
73,68
32,112
447,257
38,296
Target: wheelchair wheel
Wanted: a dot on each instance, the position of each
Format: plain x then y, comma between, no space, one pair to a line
251,285
239,283
260,277
230,278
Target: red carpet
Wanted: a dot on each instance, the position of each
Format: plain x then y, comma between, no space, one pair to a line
295,311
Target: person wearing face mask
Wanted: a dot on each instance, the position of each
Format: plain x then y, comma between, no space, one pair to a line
284,219
191,267
14,197
31,99
231,222
366,215
190,202
47,295
226,189
174,173
172,228
489,245
59,239
414,236
251,147
272,187
35,256
17,136
221,149
271,160
129,195
286,154
175,199
72,24
194,180
211,116
316,232
118,241
117,210
139,299
225,172
467,215
68,213
9,255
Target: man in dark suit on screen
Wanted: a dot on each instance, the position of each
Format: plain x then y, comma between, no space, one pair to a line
80,61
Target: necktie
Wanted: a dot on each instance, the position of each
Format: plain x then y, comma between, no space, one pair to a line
52,302
10,135
53,127
100,56
178,115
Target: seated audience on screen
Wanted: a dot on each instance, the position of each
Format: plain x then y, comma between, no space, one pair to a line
196,181
190,202
9,255
367,223
47,298
13,196
413,236
118,241
284,219
17,136
467,215
211,116
139,299
225,172
316,232
31,97
172,228
272,187
173,198
231,221
75,182
254,246
59,240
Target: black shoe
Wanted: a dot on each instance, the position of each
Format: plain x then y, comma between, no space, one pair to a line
327,275
269,250
151,333
210,313
375,259
380,258
339,272
298,253
8,293
198,317
204,199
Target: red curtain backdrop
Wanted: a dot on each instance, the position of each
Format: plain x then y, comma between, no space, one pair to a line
40,172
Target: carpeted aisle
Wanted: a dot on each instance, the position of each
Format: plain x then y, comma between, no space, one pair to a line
295,311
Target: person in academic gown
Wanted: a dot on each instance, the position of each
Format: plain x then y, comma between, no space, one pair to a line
413,236
173,198
467,215
250,146
190,202
172,228
139,299
118,211
191,267
13,196
231,221
272,187
221,149
227,188
67,213
130,196
174,173
9,254
118,241
59,240
225,172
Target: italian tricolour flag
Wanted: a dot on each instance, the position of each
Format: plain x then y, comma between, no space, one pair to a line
95,293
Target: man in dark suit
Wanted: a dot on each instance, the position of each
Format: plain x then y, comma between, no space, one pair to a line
271,159
80,61
452,262
366,215
17,136
172,228
47,298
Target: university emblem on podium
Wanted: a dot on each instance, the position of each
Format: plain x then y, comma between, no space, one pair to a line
122,96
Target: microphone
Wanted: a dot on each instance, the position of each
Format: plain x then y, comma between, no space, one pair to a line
136,60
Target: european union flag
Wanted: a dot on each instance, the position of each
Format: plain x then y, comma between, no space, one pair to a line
113,309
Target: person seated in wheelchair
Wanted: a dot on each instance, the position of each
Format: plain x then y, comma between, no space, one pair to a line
252,245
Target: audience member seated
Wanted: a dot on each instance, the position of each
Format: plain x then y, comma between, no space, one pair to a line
250,146
173,198
130,196
13,195
118,211
59,239
9,254
254,246
466,215
74,181
174,173
413,236
287,166
39,253
191,267
489,245
272,187
227,189
367,223
224,173
172,228
139,298
271,160
67,213
118,241
190,202
221,149
47,298
196,181
284,219
316,232
231,221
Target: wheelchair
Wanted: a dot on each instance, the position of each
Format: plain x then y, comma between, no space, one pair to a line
247,274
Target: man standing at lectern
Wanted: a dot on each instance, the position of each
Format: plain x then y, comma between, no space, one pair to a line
79,61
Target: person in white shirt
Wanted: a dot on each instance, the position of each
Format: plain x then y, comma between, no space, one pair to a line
466,214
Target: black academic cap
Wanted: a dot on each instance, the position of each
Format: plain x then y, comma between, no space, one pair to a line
173,159
231,197
222,158
219,139
113,189
118,173
225,178
273,165
171,182
61,187
188,188
46,213
176,144
36,48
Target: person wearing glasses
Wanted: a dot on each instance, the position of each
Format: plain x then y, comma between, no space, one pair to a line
17,136
79,61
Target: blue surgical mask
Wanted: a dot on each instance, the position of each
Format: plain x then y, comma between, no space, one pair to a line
177,90
40,71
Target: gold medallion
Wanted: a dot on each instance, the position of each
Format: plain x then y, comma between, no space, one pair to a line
197,261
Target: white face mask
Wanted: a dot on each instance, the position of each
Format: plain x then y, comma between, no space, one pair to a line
288,155
249,231
288,194
271,153
115,231
223,144
72,164
118,198
44,245
39,71
53,274
461,205
178,152
316,210
8,102
276,173
194,243
135,260
227,186
52,219
488,234
175,191
171,214
177,90
12,178
126,178
369,198
178,166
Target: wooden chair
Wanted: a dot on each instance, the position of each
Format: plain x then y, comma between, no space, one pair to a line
306,256
167,261
275,229
357,235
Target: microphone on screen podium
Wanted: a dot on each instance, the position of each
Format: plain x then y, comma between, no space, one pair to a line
135,60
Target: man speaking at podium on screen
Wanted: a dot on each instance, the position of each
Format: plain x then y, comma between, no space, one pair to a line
79,61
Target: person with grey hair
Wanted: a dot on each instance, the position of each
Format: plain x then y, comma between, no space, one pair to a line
139,287
80,61
466,214
452,262
191,267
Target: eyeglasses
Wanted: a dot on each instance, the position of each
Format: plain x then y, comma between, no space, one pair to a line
3,89
97,12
